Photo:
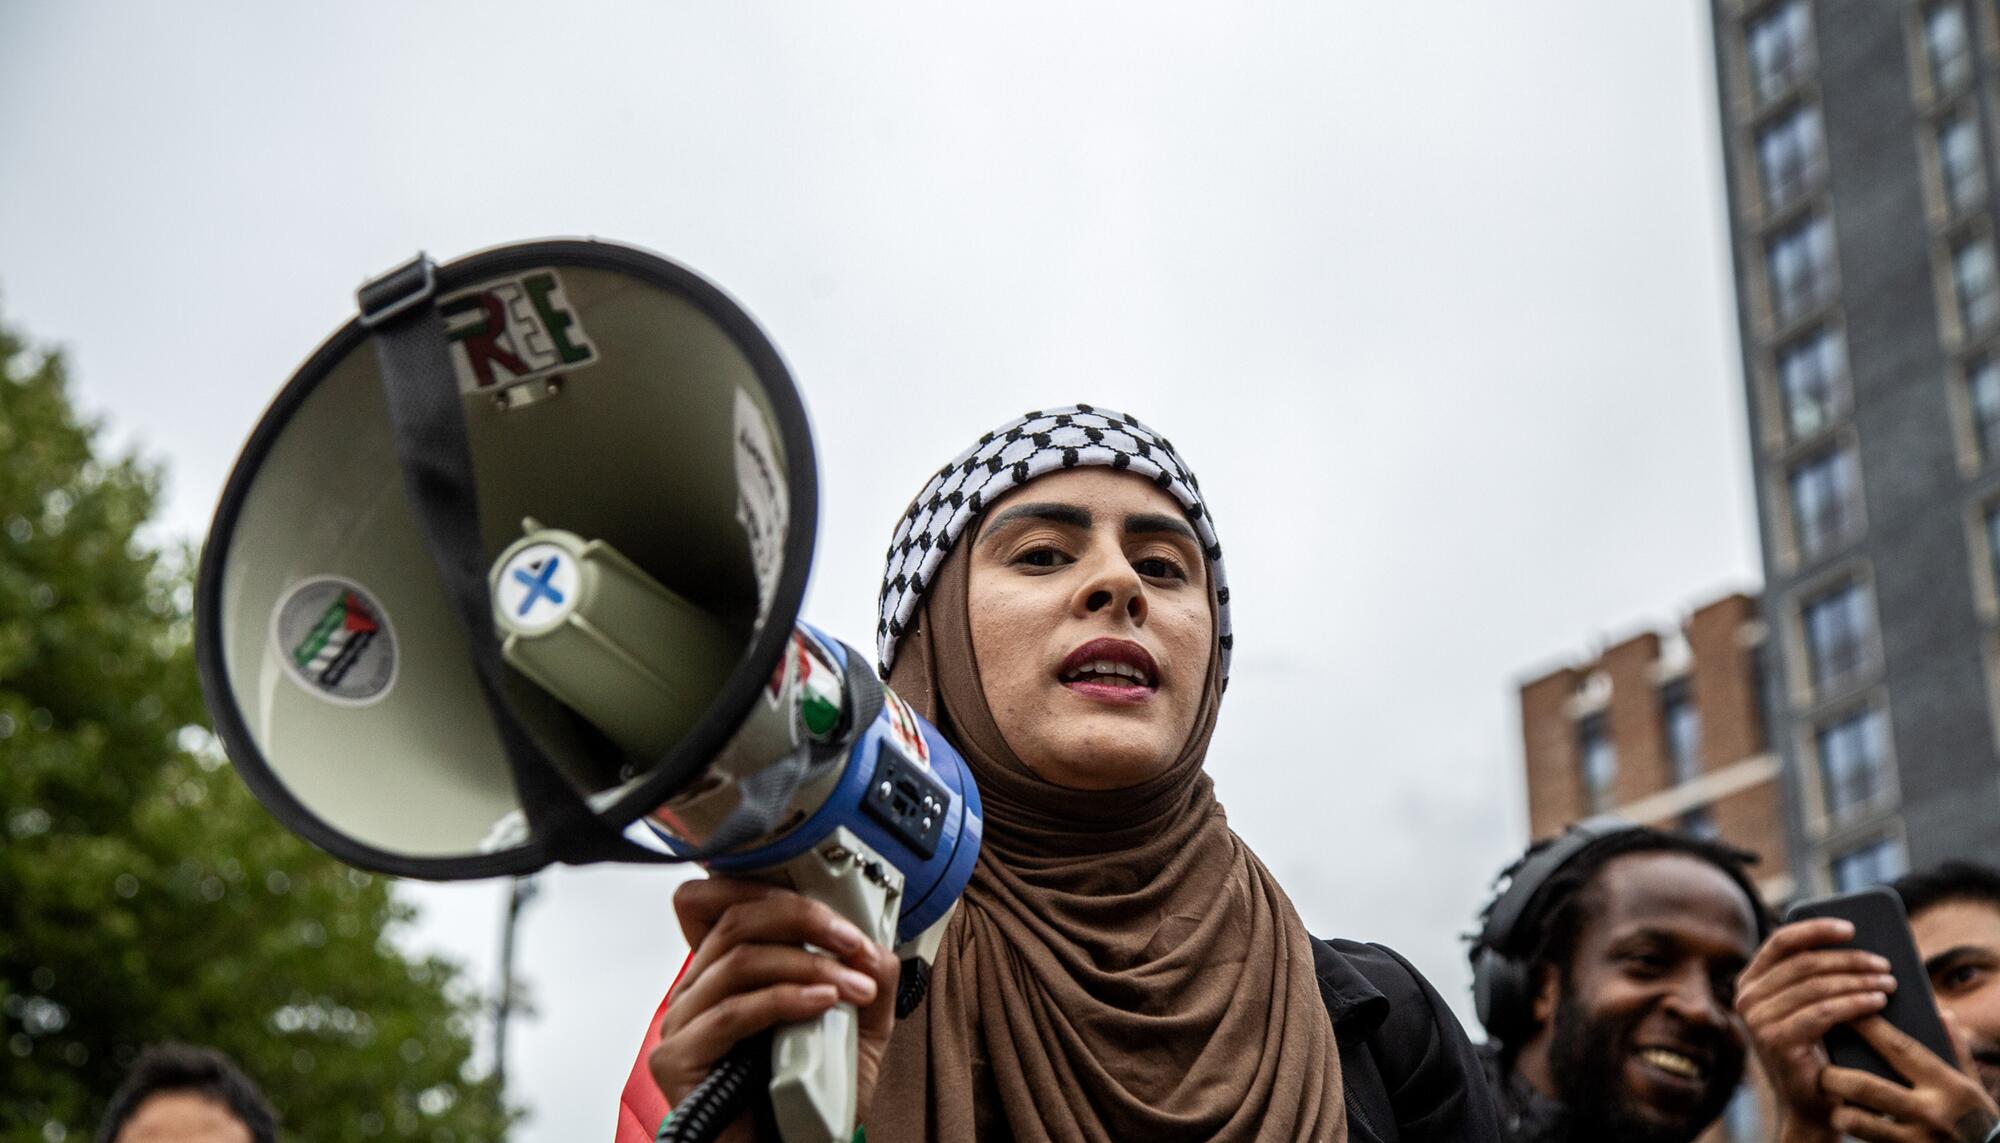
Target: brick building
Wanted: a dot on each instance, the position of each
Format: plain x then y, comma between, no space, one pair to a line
1666,731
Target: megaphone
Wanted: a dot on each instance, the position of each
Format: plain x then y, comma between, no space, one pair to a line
509,574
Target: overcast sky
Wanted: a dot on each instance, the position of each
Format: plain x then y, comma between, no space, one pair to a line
1434,297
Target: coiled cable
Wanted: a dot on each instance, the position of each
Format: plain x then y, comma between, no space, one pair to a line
722,1095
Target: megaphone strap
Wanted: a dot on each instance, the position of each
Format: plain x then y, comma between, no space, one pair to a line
427,419
435,454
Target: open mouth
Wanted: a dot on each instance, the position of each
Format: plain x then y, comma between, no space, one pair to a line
1116,668
1673,1063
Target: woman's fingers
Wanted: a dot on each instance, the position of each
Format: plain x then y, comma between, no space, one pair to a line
776,917
752,966
700,902
685,1054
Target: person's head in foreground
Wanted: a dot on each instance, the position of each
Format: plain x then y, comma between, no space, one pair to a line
1802,985
182,1094
1624,1030
1121,965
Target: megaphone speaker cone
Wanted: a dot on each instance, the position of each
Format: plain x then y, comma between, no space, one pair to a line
607,391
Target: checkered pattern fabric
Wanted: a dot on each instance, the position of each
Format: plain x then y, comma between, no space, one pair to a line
1012,455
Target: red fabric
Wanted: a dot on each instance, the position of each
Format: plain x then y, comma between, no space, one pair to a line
641,1107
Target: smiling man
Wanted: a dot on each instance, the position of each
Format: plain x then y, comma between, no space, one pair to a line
1627,955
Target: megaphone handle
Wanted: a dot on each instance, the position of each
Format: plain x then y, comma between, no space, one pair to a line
814,1063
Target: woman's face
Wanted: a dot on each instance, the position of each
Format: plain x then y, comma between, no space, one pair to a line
1091,625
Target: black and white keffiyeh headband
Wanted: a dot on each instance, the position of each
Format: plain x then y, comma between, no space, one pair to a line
1009,456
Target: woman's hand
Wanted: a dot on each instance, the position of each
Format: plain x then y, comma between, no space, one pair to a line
1792,993
750,970
1942,1104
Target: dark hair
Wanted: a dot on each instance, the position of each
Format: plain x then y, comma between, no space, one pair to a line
199,1071
1951,881
1547,931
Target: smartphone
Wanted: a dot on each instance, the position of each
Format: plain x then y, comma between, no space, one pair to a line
1881,927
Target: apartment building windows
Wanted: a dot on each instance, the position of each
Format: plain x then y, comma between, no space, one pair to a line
1700,822
1825,500
1870,863
1791,155
1682,724
1977,282
1982,385
1801,269
1961,167
1597,764
1812,381
1779,45
1839,635
1853,752
1990,531
1948,45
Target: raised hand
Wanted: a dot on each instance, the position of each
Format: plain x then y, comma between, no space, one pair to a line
1795,990
750,970
1943,1104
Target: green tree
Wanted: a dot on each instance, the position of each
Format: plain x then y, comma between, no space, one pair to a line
144,894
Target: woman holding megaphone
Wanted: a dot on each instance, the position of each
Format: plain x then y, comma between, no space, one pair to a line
1122,966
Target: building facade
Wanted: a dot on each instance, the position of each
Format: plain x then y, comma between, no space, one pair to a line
1859,139
1667,732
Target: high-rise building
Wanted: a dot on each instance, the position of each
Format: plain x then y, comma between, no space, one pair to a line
1859,139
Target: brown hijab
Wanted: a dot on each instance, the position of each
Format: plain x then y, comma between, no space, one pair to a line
1121,966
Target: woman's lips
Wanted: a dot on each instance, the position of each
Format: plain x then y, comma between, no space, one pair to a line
1120,693
1115,671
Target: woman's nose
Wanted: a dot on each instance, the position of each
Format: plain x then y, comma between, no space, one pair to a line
1113,583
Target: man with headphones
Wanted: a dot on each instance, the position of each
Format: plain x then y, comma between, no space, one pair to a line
1604,972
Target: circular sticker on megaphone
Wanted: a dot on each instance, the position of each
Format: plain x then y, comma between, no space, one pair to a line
537,589
334,640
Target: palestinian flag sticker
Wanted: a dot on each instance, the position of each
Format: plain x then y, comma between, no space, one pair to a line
334,640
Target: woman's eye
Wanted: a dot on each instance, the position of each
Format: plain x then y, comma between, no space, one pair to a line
1042,558
1155,567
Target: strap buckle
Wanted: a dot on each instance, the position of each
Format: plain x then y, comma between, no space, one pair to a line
388,296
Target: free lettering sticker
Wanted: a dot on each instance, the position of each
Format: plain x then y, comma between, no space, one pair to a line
509,330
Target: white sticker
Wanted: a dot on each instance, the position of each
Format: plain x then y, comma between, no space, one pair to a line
537,589
762,504
334,640
510,330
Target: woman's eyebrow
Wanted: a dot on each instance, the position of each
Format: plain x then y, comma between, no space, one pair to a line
1066,514
1148,522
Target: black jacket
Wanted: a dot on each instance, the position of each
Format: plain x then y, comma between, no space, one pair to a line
1409,1073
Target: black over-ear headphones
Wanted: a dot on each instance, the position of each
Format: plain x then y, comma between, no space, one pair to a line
1503,980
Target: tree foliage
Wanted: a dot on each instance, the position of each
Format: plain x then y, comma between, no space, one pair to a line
144,894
